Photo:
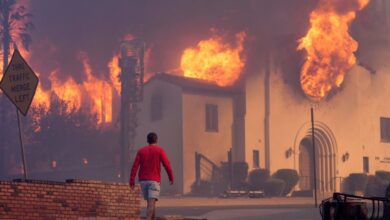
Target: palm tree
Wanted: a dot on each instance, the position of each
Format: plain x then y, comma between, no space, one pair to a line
15,26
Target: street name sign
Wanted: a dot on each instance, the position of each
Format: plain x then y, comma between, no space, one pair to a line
19,83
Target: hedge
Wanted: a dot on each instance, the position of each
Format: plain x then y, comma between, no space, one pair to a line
274,187
289,176
383,175
257,178
240,174
355,182
375,187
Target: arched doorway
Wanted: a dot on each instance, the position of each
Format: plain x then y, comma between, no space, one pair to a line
325,153
306,165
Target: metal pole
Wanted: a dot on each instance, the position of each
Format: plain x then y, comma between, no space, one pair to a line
197,169
314,156
267,111
21,146
230,161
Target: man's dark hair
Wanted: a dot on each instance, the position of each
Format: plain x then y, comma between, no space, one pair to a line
152,138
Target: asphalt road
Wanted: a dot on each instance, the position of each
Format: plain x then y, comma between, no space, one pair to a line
244,213
238,208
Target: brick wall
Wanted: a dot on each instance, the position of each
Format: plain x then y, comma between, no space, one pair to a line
74,199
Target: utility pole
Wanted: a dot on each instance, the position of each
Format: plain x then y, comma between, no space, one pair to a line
132,78
267,109
314,156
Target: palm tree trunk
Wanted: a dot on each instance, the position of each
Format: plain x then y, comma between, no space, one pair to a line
4,104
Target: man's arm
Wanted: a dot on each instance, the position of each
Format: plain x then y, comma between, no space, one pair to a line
134,170
167,165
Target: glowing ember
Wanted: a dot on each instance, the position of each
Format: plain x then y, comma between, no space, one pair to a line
329,47
214,60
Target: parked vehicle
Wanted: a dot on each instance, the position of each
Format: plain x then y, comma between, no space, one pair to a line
350,207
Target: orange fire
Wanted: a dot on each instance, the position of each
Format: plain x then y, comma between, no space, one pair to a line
115,71
93,93
214,60
99,92
329,47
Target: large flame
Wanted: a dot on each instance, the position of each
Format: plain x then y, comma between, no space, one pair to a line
93,93
329,47
214,60
99,91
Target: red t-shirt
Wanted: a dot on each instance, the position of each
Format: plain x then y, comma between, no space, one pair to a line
149,159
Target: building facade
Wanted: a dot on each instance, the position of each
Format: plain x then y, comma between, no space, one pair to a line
350,127
189,116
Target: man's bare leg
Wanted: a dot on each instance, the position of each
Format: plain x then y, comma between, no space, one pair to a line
151,209
154,210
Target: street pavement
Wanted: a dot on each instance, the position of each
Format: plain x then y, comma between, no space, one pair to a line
238,208
264,213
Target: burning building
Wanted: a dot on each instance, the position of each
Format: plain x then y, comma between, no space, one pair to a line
251,93
190,116
265,121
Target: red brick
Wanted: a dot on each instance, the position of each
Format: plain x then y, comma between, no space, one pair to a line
81,198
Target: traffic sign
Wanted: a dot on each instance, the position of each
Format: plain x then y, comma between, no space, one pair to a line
19,83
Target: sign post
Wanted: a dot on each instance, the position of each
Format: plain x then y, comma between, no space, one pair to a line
19,84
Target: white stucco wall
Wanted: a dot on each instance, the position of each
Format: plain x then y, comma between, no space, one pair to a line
254,118
169,129
352,115
214,145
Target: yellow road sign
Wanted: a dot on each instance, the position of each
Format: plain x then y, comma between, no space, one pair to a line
19,83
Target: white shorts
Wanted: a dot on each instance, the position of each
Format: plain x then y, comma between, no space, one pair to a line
150,189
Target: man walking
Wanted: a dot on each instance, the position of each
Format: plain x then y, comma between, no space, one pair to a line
149,159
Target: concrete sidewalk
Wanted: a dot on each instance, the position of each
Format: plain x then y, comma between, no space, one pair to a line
241,201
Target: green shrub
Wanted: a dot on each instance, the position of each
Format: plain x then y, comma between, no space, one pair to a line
345,186
289,176
355,182
257,178
383,175
375,187
225,170
274,187
240,173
